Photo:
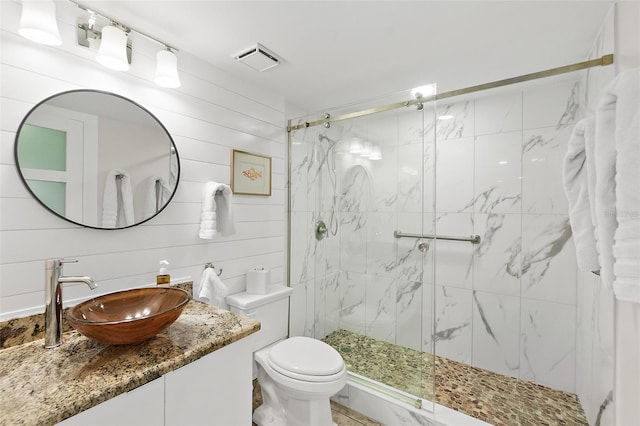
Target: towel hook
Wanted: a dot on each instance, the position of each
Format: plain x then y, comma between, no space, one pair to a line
210,265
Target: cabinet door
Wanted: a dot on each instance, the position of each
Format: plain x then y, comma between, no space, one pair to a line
142,406
214,390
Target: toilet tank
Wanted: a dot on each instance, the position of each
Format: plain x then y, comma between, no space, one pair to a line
271,309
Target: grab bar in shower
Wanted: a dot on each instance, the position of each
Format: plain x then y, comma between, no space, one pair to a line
473,239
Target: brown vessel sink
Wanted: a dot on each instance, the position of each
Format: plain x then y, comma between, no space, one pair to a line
129,316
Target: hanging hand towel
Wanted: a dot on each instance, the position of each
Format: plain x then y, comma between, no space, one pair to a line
117,206
605,198
216,215
224,201
157,194
211,289
208,223
622,97
578,178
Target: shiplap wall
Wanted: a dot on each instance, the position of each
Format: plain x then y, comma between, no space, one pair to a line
209,115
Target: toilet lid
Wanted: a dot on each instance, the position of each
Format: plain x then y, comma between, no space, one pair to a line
304,356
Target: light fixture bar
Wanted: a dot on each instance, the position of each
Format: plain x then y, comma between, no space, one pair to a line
126,27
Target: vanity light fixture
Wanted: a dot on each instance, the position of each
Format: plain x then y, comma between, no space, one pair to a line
167,69
113,48
38,22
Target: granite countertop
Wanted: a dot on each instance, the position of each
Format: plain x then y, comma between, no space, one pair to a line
45,386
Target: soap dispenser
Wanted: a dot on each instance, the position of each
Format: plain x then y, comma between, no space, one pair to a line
163,277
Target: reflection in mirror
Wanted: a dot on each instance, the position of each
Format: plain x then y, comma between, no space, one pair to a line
97,159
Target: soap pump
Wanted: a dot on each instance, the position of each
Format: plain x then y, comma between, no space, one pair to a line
163,277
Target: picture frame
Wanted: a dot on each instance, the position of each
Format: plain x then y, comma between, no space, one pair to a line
250,173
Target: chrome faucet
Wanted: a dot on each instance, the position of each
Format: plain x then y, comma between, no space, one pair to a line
53,298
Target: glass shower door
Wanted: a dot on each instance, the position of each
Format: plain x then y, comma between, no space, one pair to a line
357,286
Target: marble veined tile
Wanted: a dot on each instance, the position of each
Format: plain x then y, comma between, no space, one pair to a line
429,185
543,152
351,313
301,319
453,323
411,126
323,174
498,113
496,333
385,176
299,169
410,262
454,169
551,105
456,120
324,303
380,308
409,191
498,172
548,259
547,347
381,245
496,260
356,194
326,254
303,239
454,259
410,309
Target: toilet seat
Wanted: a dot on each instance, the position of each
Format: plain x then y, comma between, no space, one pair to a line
306,359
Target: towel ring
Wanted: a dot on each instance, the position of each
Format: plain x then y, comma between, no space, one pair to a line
210,265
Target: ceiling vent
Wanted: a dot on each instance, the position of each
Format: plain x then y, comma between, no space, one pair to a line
258,57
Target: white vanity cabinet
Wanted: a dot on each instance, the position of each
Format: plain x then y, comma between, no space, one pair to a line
213,390
143,405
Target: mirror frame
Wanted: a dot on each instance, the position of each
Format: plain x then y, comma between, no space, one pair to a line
102,92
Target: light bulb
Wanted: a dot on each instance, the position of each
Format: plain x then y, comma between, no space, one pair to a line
167,69
113,49
38,22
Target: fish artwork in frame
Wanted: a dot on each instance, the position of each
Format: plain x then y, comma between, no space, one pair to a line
250,173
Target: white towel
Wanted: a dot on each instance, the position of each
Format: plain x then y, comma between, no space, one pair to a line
117,206
211,289
579,181
174,169
153,198
216,215
605,198
622,97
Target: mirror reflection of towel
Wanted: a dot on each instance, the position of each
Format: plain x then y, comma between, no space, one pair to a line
157,193
117,206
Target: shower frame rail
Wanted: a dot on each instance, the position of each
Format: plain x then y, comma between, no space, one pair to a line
598,62
473,239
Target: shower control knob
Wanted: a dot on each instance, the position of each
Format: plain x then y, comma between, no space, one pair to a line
423,246
321,230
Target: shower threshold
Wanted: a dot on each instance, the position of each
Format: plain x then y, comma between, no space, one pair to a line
479,393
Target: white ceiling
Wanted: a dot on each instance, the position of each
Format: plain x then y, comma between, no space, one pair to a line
338,52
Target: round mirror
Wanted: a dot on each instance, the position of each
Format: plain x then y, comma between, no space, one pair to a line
97,159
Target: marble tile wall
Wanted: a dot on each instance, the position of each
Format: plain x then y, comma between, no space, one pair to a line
508,304
360,277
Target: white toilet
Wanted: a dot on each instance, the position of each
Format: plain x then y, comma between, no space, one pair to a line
297,375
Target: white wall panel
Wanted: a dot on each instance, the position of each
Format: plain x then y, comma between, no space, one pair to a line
208,116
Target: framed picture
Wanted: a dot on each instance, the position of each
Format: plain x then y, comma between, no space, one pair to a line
250,173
